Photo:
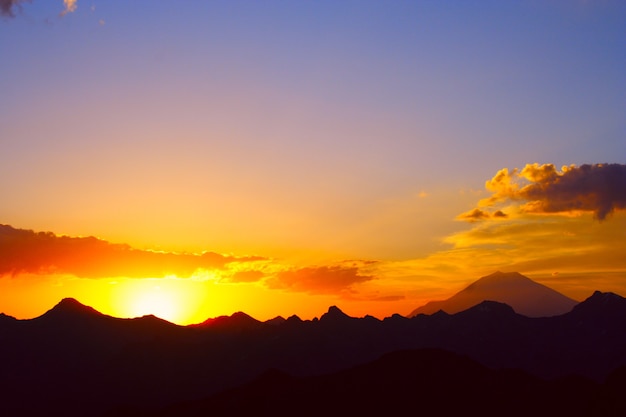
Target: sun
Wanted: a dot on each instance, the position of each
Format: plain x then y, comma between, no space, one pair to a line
158,302
173,299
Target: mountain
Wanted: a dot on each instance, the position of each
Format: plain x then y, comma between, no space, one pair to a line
603,305
524,295
437,382
74,361
237,321
70,309
335,315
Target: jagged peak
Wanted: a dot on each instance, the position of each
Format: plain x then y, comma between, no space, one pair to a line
371,318
491,307
440,313
601,301
604,296
73,306
7,317
241,316
150,317
238,319
294,319
334,313
278,320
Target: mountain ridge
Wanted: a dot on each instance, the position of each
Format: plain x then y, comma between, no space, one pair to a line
396,381
82,366
72,307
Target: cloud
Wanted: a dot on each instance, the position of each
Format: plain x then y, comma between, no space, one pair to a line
389,298
477,215
7,7
246,276
386,298
474,215
26,251
318,280
499,214
543,189
545,243
70,6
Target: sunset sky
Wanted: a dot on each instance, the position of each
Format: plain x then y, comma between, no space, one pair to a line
196,158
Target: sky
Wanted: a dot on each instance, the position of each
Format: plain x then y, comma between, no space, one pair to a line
194,159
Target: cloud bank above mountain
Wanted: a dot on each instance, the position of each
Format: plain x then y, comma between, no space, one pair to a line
26,251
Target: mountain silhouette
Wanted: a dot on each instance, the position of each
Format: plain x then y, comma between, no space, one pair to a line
73,361
524,295
237,321
69,308
6,318
335,315
436,382
602,304
276,321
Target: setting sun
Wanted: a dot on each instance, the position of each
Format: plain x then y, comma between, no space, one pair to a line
173,299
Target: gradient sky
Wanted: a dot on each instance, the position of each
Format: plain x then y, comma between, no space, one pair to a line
368,154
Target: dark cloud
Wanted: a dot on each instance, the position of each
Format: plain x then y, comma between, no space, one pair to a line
26,251
598,188
318,280
474,215
7,7
477,215
499,214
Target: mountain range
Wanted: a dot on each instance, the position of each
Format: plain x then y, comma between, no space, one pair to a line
75,361
433,382
524,295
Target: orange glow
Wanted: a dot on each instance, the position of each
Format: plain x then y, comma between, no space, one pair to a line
173,299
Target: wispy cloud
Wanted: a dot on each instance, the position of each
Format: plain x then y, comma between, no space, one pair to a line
26,251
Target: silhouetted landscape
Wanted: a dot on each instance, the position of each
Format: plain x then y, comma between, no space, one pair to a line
75,361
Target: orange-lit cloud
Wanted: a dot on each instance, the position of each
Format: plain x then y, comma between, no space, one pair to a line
246,276
70,6
44,253
26,251
541,189
318,280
